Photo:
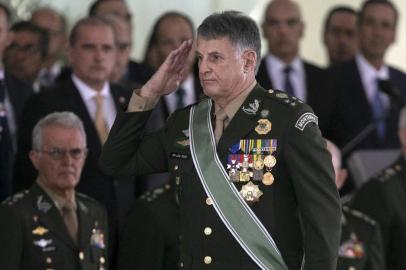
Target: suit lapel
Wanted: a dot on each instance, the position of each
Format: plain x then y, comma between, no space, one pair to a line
242,122
49,215
263,75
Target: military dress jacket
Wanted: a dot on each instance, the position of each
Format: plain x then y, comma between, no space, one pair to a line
300,210
361,246
384,199
33,234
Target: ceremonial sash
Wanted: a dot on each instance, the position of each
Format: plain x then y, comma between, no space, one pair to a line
235,213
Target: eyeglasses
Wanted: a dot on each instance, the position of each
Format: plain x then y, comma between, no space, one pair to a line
28,49
59,153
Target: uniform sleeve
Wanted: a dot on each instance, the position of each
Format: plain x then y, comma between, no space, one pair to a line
375,259
312,176
11,237
128,151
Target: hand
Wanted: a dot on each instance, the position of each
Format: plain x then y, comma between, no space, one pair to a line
170,74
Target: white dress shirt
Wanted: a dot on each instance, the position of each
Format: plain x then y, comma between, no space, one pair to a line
88,94
276,66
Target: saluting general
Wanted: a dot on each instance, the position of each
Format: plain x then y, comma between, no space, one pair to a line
251,171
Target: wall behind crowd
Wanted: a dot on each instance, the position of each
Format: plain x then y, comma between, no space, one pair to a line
146,12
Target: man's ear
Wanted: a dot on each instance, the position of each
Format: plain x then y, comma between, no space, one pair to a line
250,60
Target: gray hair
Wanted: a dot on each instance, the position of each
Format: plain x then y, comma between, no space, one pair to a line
62,119
242,31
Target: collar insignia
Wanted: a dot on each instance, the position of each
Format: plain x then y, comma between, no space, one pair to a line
253,107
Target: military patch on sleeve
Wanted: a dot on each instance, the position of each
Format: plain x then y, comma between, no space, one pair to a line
305,119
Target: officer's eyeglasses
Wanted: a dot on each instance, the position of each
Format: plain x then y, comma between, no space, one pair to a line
59,153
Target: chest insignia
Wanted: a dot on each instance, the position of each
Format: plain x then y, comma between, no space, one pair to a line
43,205
351,248
252,107
97,238
250,192
264,126
43,243
40,231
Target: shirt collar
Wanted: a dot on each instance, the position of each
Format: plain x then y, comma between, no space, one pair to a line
279,65
58,200
368,71
87,92
2,74
233,106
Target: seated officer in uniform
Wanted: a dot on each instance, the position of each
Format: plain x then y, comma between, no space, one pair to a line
361,245
50,226
384,198
255,190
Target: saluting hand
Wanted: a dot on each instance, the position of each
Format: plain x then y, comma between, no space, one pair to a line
170,74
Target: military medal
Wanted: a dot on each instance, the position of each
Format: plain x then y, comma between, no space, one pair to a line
264,126
245,165
40,231
97,238
269,161
251,192
233,168
268,179
257,172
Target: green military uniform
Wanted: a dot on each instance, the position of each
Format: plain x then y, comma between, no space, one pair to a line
150,239
300,208
384,199
33,234
361,244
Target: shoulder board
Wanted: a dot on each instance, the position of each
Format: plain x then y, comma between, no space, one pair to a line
151,195
388,173
284,97
13,199
360,215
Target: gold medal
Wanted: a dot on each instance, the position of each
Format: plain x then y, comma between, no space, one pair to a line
250,192
268,179
264,126
269,161
259,163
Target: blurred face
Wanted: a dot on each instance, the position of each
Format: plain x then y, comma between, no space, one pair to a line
377,31
122,32
283,28
340,37
4,33
172,32
60,160
23,57
221,67
118,8
51,22
93,55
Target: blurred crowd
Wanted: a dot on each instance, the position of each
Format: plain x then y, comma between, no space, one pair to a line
45,69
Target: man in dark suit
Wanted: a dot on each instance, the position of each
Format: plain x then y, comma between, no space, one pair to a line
88,94
384,198
283,68
362,83
50,226
13,94
253,193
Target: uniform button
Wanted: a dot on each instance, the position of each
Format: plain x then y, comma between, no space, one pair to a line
81,256
209,201
351,268
177,180
181,264
48,260
102,260
207,231
207,260
175,167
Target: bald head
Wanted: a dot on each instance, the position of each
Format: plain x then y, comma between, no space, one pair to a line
283,28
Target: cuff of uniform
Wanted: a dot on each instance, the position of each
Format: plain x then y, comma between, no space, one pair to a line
140,104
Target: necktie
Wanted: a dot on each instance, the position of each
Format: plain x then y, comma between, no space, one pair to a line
180,94
5,147
288,84
379,112
100,121
221,117
70,219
